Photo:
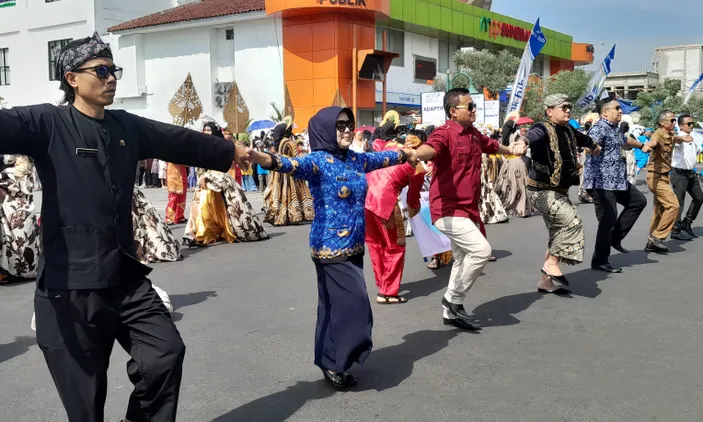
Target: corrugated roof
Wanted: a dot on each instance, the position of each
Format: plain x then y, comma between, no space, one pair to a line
192,11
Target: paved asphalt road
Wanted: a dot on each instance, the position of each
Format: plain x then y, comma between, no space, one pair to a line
626,347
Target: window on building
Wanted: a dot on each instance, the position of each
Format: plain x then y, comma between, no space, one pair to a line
446,56
396,44
54,50
4,66
229,34
425,69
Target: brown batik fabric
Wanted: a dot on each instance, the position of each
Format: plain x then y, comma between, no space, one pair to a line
154,240
491,207
241,216
287,200
19,249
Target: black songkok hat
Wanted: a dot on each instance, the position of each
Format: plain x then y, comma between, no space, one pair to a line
74,54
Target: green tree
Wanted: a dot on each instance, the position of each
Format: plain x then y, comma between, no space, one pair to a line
532,104
489,70
572,83
277,115
666,97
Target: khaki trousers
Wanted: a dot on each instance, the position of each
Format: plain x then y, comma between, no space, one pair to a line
666,205
471,253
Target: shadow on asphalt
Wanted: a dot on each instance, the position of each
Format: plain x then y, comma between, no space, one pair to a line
500,312
426,287
180,301
384,369
18,347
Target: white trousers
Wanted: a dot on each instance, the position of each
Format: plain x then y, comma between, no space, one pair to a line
471,253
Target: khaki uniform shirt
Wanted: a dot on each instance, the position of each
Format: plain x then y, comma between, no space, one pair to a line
660,157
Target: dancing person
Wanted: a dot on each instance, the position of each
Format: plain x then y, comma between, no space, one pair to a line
359,144
338,184
91,288
455,191
666,204
684,179
385,227
605,180
177,184
287,201
553,144
220,210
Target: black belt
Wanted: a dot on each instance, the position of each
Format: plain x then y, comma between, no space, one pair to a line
658,172
676,169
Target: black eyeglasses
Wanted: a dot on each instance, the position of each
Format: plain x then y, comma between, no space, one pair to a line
343,125
103,71
469,106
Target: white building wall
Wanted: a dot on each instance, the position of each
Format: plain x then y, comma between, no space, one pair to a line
684,63
402,79
27,28
258,64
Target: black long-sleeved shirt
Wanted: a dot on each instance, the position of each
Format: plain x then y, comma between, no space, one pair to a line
87,169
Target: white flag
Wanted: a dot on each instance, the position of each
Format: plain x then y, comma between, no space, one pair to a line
597,81
534,46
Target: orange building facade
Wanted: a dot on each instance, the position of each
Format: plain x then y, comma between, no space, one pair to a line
319,37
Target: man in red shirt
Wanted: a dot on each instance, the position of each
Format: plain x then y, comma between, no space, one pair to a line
455,192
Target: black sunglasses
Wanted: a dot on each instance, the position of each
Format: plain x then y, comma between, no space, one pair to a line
470,107
673,120
565,107
103,71
689,124
343,125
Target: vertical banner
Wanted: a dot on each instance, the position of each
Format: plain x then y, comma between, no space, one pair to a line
597,81
479,102
693,88
534,46
491,113
433,109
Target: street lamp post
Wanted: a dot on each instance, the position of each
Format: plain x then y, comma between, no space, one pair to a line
450,82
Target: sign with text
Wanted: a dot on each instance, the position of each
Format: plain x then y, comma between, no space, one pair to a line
497,28
433,109
7,3
491,113
480,108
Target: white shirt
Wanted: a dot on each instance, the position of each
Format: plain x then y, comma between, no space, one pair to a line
685,154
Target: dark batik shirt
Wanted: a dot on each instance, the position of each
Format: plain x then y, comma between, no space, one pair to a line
607,171
87,169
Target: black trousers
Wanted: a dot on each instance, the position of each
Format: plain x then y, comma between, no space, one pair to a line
612,228
76,330
683,181
344,318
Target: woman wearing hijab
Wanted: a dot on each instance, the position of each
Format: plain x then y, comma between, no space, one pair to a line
286,200
220,210
337,182
511,183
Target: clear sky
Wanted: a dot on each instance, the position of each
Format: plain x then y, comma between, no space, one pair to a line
636,26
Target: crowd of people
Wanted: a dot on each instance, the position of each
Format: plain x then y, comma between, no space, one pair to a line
360,190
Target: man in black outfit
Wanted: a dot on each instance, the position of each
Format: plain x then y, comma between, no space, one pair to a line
91,290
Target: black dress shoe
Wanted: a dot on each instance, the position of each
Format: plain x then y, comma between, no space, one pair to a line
689,231
656,246
339,379
606,268
620,249
460,323
458,311
681,236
